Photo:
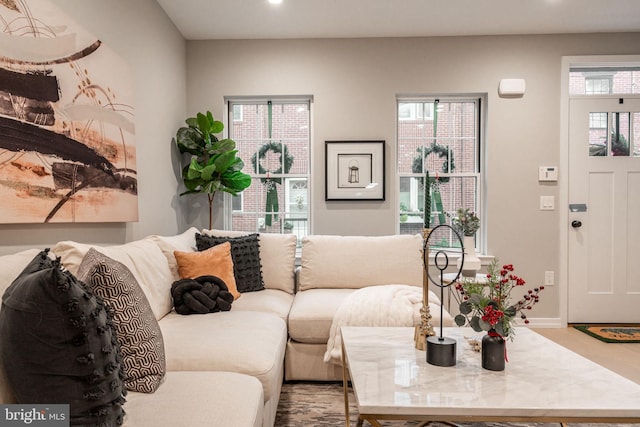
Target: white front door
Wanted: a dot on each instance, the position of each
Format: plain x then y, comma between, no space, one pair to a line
604,198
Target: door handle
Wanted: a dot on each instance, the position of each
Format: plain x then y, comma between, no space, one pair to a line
576,224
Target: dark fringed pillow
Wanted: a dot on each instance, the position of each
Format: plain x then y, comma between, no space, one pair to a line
245,252
204,294
58,345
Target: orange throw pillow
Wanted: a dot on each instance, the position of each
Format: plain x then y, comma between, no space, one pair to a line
215,261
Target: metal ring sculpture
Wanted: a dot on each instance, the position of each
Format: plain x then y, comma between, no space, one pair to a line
441,261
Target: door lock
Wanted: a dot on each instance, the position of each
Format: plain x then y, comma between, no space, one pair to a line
576,224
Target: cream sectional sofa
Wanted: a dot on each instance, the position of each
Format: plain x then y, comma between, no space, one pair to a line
227,368
222,369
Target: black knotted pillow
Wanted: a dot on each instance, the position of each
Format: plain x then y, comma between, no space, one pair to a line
58,345
245,252
204,294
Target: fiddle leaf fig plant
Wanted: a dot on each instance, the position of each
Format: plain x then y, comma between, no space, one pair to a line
212,164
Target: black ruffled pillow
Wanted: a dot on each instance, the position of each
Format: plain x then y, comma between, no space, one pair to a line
58,345
245,252
204,294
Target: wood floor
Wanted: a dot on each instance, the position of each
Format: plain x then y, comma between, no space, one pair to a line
623,359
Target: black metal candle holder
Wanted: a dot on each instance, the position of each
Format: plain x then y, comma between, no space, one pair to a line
441,350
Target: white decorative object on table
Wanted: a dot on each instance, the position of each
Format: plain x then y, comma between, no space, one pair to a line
472,263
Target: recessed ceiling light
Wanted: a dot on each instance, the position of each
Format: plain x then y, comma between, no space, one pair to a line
275,1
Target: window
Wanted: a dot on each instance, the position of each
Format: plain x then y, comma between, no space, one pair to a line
415,111
446,144
610,133
598,85
598,120
274,140
595,81
237,113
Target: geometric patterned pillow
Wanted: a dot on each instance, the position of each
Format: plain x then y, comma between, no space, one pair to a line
139,335
245,252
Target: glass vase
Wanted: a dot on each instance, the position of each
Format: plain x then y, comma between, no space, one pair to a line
493,348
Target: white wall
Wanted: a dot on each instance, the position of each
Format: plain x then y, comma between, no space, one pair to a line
140,32
354,83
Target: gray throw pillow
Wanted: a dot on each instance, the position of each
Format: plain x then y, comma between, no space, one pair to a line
138,331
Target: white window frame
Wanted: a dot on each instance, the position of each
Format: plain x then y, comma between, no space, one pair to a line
479,175
251,100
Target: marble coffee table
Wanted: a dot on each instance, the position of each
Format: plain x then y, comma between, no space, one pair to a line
542,382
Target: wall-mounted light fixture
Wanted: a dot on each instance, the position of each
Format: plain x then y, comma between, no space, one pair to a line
511,88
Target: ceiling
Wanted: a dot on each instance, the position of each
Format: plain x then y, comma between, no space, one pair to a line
257,19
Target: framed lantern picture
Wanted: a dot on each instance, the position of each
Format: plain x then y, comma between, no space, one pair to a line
354,170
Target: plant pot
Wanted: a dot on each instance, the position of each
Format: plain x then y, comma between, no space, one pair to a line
472,264
493,348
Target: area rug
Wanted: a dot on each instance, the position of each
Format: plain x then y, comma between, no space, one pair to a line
612,334
316,404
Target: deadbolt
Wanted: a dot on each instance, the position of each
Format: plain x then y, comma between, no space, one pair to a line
576,224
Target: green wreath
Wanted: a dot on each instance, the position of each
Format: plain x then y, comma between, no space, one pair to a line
448,166
286,161
442,151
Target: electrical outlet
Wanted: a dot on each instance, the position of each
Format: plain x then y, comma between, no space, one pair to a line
549,279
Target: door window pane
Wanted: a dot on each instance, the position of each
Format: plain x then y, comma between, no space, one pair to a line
598,130
635,138
613,134
597,81
620,134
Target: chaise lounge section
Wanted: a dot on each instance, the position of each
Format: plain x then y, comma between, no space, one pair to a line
332,269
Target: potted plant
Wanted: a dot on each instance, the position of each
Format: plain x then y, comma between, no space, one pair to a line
486,305
212,164
404,216
467,223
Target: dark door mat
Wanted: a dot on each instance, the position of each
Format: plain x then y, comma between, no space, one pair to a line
612,333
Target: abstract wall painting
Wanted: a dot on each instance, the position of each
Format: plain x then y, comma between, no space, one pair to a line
67,149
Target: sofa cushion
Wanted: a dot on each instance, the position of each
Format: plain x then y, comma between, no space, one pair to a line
277,256
358,261
245,251
138,332
269,300
190,399
246,342
185,242
143,258
313,310
215,261
58,344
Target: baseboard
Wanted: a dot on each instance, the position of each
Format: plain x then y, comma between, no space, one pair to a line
541,322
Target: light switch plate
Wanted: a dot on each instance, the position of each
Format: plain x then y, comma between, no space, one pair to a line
547,203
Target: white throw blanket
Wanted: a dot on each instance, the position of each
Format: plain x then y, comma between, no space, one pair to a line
384,305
